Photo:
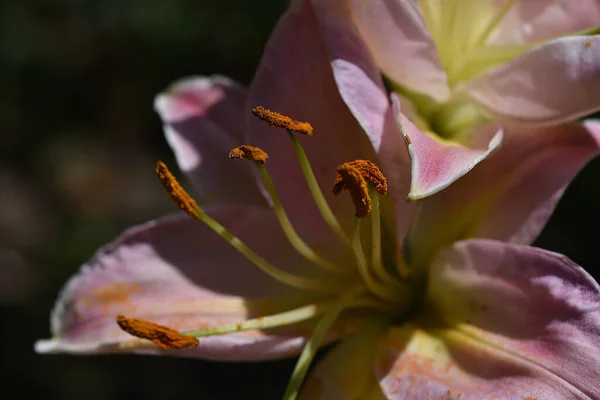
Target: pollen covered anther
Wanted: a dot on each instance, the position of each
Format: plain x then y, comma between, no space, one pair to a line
163,337
352,179
249,153
282,121
176,191
369,171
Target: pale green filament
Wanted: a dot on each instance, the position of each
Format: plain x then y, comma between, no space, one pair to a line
289,230
372,285
313,343
285,318
431,14
376,262
316,192
270,321
448,19
282,276
498,17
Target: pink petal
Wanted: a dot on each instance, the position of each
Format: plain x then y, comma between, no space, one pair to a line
361,87
537,20
203,119
346,371
179,273
436,163
519,322
533,166
295,78
395,33
550,84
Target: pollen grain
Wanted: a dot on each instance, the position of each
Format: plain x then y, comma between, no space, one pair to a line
163,337
352,179
369,171
249,153
176,191
282,121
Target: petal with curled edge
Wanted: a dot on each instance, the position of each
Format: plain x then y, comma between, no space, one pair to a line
436,162
295,79
501,321
203,118
403,48
533,166
178,273
550,84
361,87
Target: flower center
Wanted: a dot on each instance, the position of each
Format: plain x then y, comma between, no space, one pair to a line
461,30
368,282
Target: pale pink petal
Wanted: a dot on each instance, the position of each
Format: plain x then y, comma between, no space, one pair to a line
511,195
513,322
550,84
346,371
436,162
536,20
179,273
361,87
295,78
401,45
203,118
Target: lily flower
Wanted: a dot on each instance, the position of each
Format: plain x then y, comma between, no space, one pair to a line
426,299
467,74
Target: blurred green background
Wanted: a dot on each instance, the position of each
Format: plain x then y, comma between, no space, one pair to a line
79,143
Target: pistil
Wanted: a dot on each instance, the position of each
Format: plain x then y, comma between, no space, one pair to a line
373,285
353,176
376,260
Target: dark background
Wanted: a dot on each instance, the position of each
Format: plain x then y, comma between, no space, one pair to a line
79,140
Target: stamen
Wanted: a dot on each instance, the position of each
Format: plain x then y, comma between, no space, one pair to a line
282,121
276,119
300,245
177,193
313,343
163,337
249,153
270,321
317,193
369,171
351,179
185,202
276,273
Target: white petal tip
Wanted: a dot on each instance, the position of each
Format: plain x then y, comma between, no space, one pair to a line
55,345
46,346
